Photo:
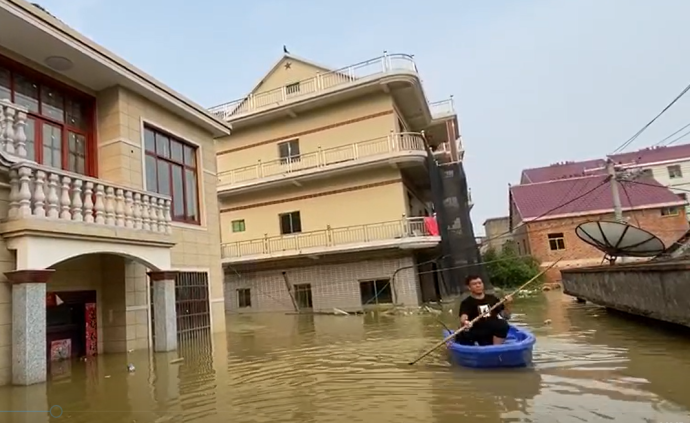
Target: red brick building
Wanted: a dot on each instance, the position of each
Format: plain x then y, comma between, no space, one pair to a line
544,215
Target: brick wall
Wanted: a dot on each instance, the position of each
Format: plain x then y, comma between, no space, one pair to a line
577,253
332,285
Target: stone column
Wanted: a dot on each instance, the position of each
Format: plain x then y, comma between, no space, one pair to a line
29,348
165,315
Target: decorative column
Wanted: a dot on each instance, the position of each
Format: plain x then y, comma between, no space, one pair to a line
29,346
164,313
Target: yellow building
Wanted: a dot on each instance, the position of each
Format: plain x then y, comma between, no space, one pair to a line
324,186
106,176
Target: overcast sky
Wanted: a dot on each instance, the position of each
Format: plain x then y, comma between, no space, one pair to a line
535,81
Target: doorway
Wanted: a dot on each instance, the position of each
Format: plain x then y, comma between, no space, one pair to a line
71,326
303,296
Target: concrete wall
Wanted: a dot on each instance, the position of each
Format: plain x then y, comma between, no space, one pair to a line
333,285
577,253
657,290
497,232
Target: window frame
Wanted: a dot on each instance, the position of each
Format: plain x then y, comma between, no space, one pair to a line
290,214
239,222
67,92
173,162
674,171
290,158
556,239
244,294
669,211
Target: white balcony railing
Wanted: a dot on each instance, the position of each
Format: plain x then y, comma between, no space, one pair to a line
12,128
442,108
325,158
412,227
321,82
37,191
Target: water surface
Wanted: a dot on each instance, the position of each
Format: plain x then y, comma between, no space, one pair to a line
590,366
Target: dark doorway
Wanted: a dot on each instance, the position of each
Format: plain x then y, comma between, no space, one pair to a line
303,296
376,292
70,325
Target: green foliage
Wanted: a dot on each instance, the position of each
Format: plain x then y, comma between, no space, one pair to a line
507,269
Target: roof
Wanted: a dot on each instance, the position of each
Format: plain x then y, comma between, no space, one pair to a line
495,219
593,167
288,56
538,201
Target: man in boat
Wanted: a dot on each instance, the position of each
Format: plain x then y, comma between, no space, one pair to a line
492,327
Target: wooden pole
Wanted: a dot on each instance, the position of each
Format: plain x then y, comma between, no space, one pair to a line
289,290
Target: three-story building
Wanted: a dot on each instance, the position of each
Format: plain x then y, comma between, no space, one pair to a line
109,223
324,191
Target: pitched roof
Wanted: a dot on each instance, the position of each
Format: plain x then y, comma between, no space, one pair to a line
538,201
594,167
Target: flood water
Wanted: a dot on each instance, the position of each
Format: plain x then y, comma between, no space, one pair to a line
590,366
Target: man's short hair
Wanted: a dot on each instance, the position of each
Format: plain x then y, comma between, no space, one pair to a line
470,278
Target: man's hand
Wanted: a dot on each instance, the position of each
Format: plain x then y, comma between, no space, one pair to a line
467,324
508,299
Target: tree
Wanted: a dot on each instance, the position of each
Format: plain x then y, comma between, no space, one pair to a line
506,268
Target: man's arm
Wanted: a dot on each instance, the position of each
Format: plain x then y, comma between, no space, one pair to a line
506,308
464,315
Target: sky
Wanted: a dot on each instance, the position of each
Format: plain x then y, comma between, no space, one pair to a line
534,81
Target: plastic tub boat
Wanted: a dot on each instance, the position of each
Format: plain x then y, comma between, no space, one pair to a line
515,352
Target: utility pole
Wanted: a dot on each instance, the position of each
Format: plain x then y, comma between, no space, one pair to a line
617,208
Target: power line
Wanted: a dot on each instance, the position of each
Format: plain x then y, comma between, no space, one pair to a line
644,128
662,141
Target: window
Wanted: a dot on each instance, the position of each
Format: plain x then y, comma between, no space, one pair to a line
303,296
290,223
289,151
171,170
376,292
556,242
238,226
244,298
292,88
59,125
670,211
647,173
674,172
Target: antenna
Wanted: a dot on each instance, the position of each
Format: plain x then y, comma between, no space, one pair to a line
618,239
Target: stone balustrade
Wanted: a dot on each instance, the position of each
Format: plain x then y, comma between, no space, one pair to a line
38,191
12,128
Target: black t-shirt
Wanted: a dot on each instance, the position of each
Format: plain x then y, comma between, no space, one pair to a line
474,307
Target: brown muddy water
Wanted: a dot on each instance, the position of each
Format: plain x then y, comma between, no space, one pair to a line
590,366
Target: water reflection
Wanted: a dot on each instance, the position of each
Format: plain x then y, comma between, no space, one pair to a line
589,366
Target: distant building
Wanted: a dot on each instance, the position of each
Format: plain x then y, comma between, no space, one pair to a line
547,232
497,230
668,165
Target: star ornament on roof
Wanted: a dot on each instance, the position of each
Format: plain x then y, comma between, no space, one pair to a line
288,65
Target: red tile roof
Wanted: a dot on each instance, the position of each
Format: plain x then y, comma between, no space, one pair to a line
537,201
577,169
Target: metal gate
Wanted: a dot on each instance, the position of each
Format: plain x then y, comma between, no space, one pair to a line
191,304
461,256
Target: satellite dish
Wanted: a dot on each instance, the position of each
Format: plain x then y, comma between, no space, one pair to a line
618,239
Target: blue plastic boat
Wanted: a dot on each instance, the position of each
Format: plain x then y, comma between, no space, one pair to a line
515,352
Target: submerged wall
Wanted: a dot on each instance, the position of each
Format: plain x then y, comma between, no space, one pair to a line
656,290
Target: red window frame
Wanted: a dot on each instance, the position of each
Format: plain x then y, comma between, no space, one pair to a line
157,156
89,102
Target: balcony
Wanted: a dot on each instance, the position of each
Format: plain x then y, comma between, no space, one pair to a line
407,233
64,209
442,109
338,80
394,148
